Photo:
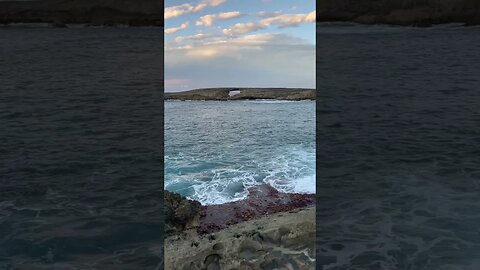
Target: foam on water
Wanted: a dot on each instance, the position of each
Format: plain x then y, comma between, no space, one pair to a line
269,101
293,172
220,149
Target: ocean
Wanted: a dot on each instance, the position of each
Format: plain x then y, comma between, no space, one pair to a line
397,128
81,148
215,150
398,133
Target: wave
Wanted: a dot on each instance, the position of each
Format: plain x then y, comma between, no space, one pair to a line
270,101
291,172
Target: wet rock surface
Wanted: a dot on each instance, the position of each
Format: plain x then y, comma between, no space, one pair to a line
267,230
278,241
262,200
244,93
180,213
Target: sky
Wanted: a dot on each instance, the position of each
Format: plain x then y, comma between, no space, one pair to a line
239,43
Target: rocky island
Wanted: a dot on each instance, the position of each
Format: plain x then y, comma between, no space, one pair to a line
243,93
267,230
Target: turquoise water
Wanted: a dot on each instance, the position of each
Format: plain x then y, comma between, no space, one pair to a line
215,150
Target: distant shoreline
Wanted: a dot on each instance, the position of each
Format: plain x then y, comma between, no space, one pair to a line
400,13
224,94
60,13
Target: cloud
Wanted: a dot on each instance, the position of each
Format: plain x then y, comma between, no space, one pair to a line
289,20
209,19
198,36
176,29
311,17
229,15
243,28
255,60
282,21
206,20
229,46
176,82
175,11
269,14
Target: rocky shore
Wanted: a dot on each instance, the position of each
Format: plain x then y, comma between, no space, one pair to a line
243,93
400,12
267,230
90,12
150,12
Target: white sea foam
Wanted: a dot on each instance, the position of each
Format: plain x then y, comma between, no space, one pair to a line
293,171
269,101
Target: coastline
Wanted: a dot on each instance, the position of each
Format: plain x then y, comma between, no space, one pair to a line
243,94
60,13
267,230
401,13
285,239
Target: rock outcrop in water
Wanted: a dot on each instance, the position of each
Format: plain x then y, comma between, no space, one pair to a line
268,230
400,12
180,213
244,93
92,12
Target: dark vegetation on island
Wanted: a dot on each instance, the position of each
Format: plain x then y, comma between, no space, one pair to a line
150,12
244,93
182,214
91,12
400,12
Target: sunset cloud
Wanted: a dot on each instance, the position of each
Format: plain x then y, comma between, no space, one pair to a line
269,14
176,29
289,20
246,42
209,19
225,46
175,11
243,28
256,60
198,36
282,21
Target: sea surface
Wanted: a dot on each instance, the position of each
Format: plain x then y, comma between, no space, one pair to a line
80,148
215,150
398,133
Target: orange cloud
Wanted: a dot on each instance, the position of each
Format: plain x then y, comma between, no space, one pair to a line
175,11
176,29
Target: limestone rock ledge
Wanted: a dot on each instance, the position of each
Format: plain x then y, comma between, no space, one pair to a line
283,240
267,230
